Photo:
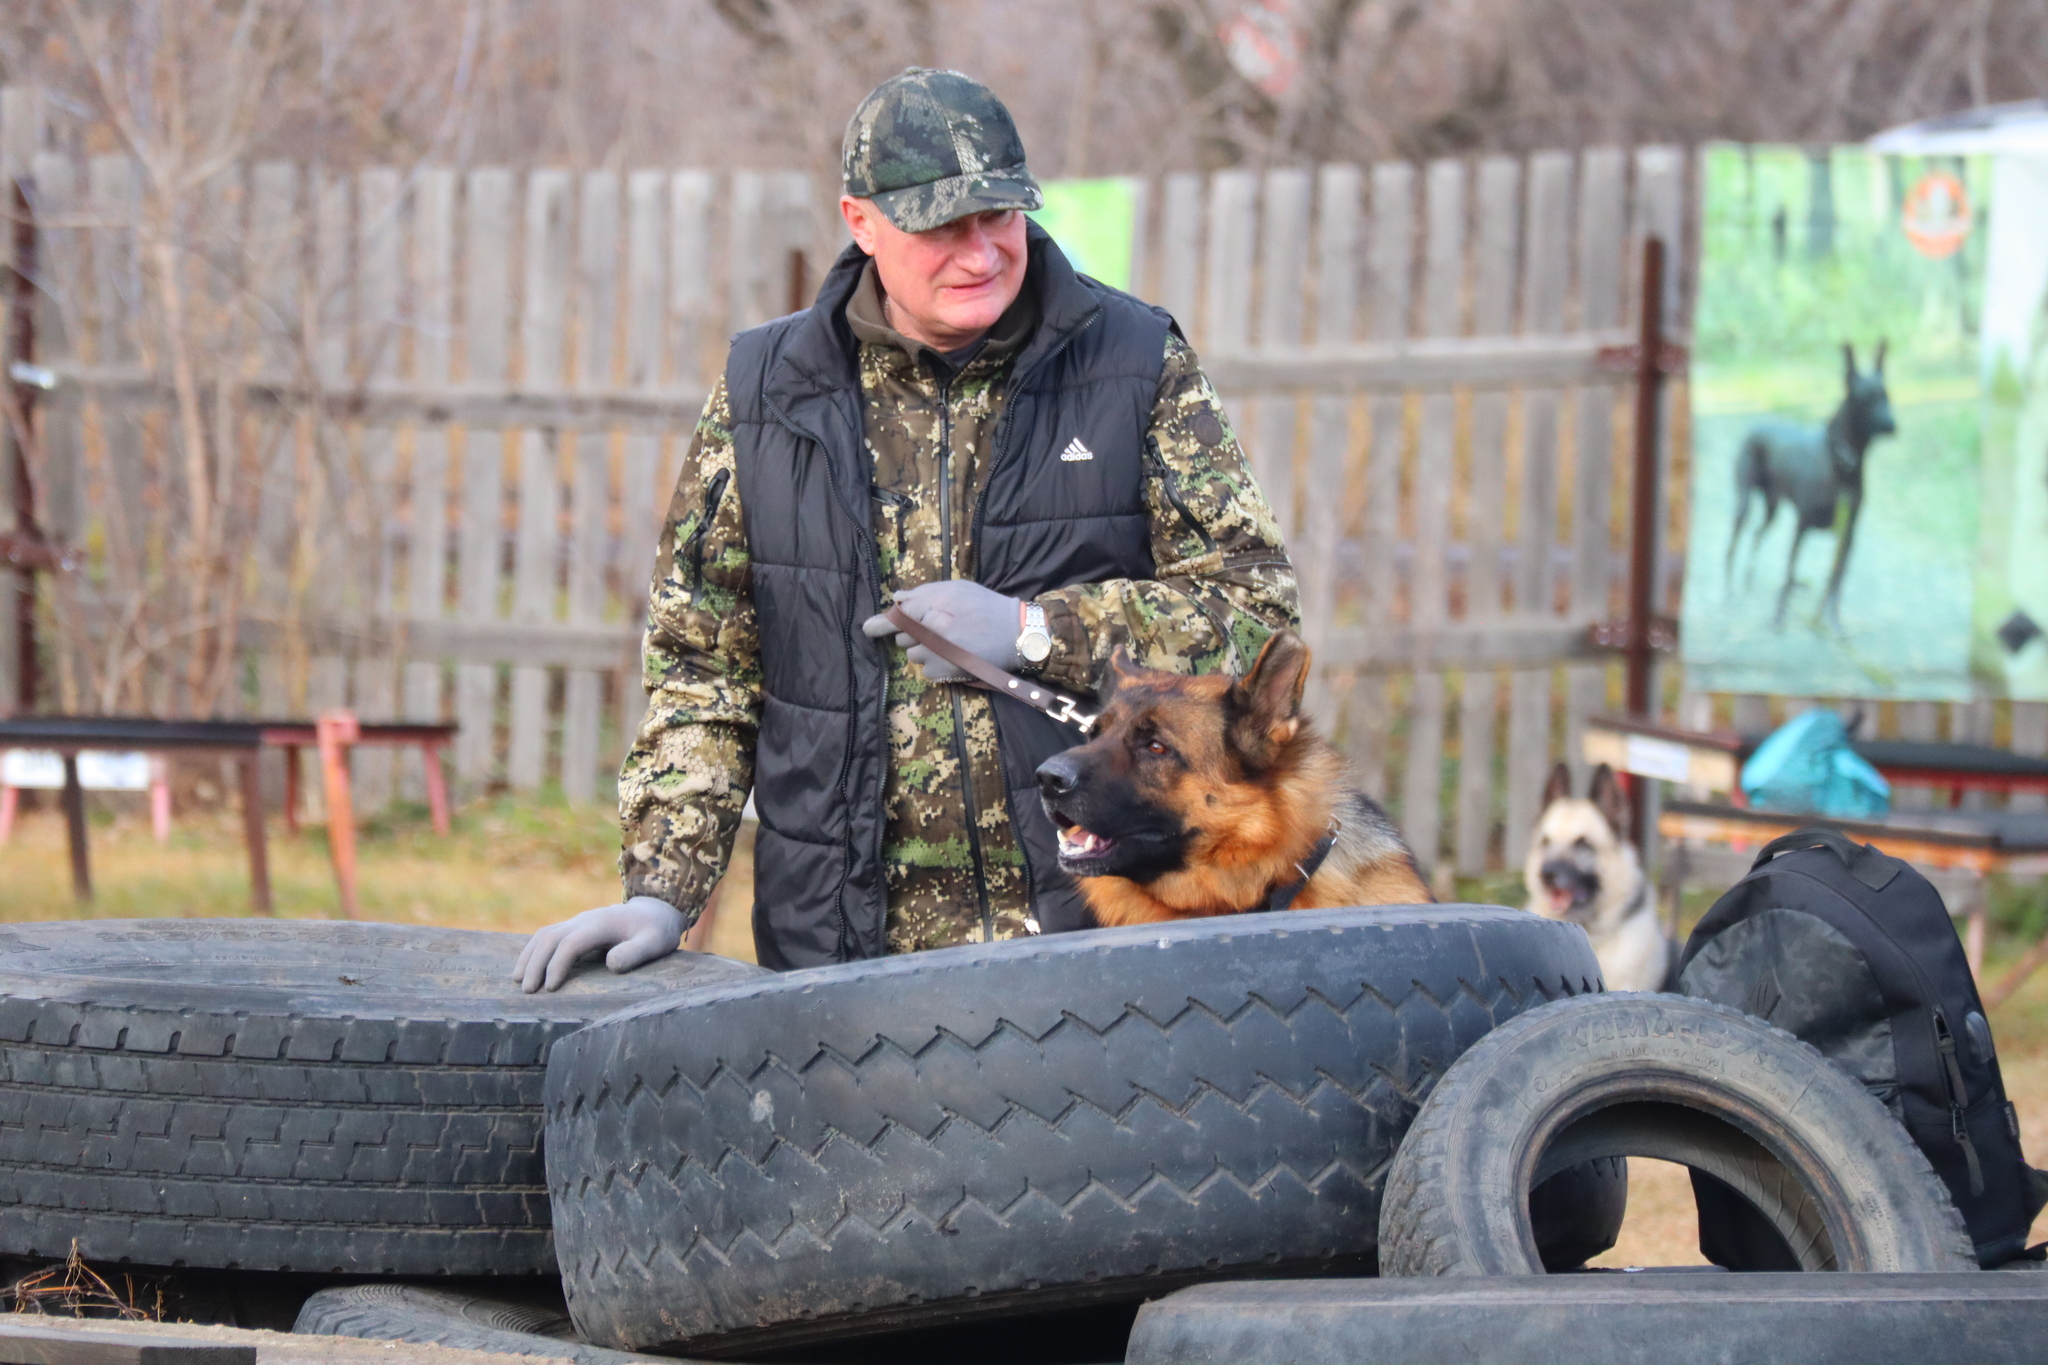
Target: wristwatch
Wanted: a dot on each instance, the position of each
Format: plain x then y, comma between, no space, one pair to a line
1034,644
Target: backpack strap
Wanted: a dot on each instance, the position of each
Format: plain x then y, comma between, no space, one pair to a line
1875,870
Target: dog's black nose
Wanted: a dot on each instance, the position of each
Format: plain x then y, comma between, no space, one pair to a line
1058,775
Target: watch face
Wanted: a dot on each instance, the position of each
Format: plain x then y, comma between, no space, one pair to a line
1035,646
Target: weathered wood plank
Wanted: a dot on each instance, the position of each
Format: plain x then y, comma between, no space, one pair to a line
1601,269
486,305
536,566
1329,442
640,501
689,286
125,479
597,313
433,287
1424,363
1442,280
380,232
746,251
1545,282
1283,259
1227,303
1180,250
1493,309
1389,265
330,585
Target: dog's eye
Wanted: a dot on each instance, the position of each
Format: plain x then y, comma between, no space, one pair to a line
1156,747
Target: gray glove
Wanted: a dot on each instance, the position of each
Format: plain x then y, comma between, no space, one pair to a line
979,620
640,931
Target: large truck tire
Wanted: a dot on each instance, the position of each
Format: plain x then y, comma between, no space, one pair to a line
1015,1127
285,1095
446,1317
1649,1318
1837,1179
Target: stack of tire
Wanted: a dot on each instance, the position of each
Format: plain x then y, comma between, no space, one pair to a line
359,1099
705,1157
734,1159
774,1163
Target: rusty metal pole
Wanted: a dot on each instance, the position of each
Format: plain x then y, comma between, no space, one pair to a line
1642,560
20,350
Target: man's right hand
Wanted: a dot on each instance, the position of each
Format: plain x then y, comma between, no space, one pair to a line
640,931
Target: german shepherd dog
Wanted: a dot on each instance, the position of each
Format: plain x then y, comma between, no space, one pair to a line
1203,796
1583,868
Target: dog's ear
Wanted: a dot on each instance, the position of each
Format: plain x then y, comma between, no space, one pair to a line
1559,787
1877,364
1848,362
1118,670
1265,704
1612,801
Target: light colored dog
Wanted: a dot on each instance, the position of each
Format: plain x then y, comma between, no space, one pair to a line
1583,868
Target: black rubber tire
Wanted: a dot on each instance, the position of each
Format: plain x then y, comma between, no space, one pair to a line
1680,1080
1015,1127
447,1317
285,1095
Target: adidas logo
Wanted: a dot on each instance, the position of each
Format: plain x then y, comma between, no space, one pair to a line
1076,452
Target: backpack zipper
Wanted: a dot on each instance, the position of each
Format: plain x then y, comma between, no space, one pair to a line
1958,1098
693,547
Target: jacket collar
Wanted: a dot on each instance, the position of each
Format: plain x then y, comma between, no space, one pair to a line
822,355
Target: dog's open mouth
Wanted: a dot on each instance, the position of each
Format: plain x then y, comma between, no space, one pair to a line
1078,845
1564,898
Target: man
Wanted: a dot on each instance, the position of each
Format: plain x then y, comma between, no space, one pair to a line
1029,462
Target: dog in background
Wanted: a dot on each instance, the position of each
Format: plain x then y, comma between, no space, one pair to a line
1584,868
1200,796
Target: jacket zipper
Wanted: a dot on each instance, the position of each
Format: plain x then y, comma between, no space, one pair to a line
1002,439
1172,489
693,547
953,693
891,498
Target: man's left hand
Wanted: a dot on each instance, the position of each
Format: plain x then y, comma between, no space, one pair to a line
979,620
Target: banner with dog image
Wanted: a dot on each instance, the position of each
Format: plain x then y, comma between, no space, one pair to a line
1835,424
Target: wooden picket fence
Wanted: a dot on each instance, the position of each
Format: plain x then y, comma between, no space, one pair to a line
477,384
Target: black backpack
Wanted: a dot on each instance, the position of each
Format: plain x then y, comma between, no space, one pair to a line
1852,951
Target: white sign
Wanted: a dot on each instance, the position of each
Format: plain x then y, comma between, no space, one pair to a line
98,771
1649,757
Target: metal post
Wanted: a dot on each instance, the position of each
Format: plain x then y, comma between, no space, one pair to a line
1642,563
27,539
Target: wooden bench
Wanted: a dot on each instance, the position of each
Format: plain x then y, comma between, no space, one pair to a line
332,735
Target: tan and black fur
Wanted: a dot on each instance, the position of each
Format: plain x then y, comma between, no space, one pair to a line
1583,868
1201,796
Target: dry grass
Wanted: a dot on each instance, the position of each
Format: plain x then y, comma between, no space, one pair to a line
516,865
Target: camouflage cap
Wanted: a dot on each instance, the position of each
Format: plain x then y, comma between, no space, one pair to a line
931,146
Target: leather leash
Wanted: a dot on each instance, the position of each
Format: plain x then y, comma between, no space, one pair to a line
1053,702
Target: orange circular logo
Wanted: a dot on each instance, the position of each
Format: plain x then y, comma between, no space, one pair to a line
1937,216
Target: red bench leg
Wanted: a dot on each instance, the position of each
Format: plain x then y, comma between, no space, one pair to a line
437,787
337,730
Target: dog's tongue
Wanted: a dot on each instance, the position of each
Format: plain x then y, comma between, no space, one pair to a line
1077,842
1560,898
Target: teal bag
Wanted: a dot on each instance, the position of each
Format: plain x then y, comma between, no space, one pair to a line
1807,767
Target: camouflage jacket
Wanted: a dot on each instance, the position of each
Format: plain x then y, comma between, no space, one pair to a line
955,872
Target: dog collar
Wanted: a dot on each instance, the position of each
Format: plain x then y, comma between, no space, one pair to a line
1282,897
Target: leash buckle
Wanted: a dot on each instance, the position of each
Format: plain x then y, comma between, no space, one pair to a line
1067,712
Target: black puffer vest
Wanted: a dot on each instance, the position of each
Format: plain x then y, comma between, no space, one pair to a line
1090,371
